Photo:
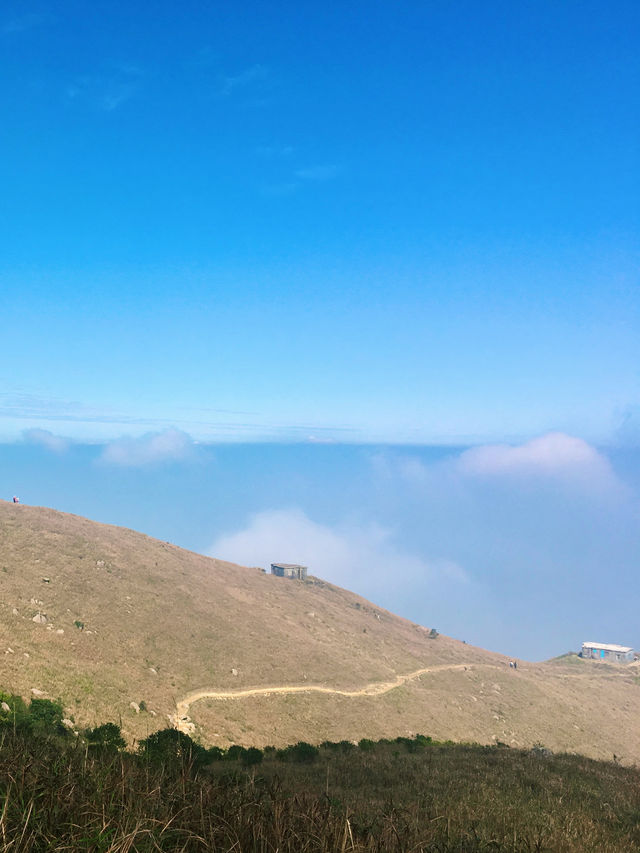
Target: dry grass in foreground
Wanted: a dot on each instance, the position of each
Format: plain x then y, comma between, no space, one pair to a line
387,797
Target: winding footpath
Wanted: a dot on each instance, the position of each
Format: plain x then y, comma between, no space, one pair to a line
184,724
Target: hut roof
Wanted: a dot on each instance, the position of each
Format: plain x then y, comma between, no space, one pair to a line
608,647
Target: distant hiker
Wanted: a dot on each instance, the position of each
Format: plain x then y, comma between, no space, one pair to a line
515,664
510,664
16,500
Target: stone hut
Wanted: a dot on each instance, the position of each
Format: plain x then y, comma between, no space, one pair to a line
289,570
608,652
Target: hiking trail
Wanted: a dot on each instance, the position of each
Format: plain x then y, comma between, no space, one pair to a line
183,723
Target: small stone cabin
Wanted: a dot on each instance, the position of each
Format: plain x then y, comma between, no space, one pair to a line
289,570
607,652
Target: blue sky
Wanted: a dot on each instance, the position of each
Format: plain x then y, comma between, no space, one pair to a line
381,225
390,221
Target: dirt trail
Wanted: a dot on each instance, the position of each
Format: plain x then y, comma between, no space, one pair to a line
184,724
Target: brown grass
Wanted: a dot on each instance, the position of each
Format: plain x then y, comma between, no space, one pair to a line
148,605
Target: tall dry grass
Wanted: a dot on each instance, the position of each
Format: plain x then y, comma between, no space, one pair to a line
440,798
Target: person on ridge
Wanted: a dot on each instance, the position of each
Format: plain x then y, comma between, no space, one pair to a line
16,500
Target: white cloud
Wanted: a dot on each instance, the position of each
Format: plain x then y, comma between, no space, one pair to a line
359,557
55,443
168,446
552,455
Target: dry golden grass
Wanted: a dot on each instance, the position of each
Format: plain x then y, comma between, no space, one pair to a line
160,622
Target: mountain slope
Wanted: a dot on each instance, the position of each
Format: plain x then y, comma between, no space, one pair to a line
130,619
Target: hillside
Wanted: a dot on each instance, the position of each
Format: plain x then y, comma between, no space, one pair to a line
130,619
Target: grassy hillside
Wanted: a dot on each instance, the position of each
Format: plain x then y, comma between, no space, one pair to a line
130,619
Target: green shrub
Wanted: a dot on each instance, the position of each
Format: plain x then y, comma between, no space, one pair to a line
169,746
252,756
301,752
235,753
366,745
46,716
214,753
105,738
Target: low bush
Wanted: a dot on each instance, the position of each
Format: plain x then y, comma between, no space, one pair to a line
300,753
169,747
105,738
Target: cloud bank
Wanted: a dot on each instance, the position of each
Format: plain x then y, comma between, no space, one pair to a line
171,445
55,443
352,555
513,547
552,455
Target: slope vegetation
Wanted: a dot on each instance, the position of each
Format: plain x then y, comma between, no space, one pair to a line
141,632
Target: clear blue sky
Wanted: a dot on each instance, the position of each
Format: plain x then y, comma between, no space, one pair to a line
386,221
275,278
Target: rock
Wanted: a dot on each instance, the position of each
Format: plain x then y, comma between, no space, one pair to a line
134,707
46,580
5,707
26,654
153,671
37,692
234,672
35,602
15,611
40,619
153,713
67,723
9,650
59,630
100,564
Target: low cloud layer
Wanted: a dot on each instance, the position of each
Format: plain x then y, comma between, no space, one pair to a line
171,445
55,443
356,556
552,455
511,547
